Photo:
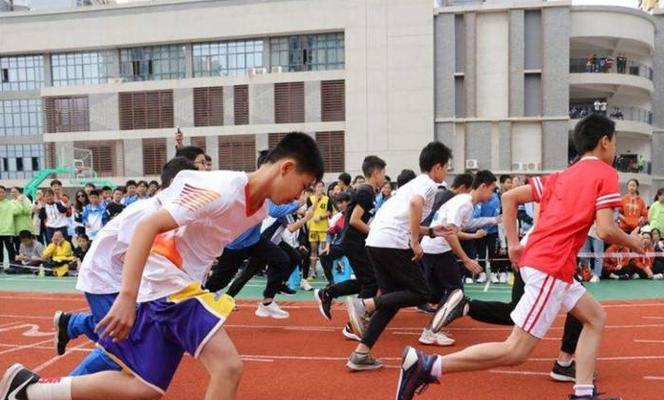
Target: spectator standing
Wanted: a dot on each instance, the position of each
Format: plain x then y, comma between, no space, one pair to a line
106,194
179,139
633,211
115,207
344,182
80,202
7,211
23,216
658,247
56,186
358,181
54,213
88,188
142,190
384,195
153,188
93,215
130,195
656,212
38,226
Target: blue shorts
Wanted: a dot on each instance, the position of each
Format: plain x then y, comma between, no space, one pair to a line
165,329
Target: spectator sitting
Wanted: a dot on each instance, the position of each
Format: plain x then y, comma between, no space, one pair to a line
359,180
93,215
58,255
82,249
29,254
616,263
643,264
658,247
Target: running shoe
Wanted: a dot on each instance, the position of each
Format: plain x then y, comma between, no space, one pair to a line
271,310
415,374
437,339
286,291
356,315
348,333
15,382
363,362
563,374
304,284
594,396
454,307
324,301
60,323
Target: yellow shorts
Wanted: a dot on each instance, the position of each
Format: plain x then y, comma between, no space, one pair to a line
317,236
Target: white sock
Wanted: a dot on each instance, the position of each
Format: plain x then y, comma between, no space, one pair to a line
437,369
564,363
50,389
579,390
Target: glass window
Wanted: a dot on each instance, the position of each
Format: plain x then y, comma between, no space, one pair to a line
20,161
19,73
83,68
20,117
227,58
308,52
153,63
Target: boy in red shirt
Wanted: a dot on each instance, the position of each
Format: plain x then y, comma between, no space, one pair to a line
571,201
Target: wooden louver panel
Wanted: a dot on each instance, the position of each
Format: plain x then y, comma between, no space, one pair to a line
209,106
146,110
289,102
241,104
154,155
66,114
333,100
237,152
332,148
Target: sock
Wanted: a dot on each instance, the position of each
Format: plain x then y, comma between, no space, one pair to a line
579,390
564,363
268,303
437,369
50,389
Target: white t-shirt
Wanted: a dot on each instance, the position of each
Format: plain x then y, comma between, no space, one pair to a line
101,269
391,227
211,211
457,211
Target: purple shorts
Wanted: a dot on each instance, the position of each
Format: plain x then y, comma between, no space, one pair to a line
165,329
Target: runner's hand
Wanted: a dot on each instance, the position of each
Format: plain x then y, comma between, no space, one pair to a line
417,250
480,234
472,266
120,319
514,252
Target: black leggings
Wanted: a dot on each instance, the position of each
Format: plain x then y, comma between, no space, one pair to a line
8,243
495,312
326,260
364,284
402,283
444,274
490,243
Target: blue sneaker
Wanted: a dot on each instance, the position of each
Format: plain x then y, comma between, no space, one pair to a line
594,396
415,374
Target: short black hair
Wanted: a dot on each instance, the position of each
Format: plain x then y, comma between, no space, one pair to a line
464,179
94,192
483,177
143,183
55,182
358,177
432,154
208,158
172,167
504,178
652,231
83,236
130,182
405,176
372,164
590,130
660,192
189,152
262,158
341,197
105,188
90,184
121,189
345,178
387,178
20,189
153,182
303,149
25,235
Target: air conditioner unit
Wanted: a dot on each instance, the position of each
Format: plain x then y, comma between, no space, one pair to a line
519,166
472,164
116,80
532,166
257,71
277,70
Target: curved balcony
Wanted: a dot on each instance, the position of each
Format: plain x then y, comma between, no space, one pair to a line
608,84
614,28
630,121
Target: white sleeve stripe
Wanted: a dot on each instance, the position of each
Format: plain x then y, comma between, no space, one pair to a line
599,203
538,186
608,196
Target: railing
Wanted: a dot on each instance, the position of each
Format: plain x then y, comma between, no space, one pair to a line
580,110
610,65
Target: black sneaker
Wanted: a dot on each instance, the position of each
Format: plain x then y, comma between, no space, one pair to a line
286,291
60,323
563,374
594,396
324,301
426,308
15,382
453,308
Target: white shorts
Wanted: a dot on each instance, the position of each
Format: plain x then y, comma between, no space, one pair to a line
544,296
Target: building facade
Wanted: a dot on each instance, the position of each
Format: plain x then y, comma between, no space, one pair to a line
495,80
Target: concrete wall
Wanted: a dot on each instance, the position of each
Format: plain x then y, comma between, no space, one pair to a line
444,59
492,65
133,157
104,114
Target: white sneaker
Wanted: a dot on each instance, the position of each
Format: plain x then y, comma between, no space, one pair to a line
613,276
304,284
349,334
635,276
494,277
272,310
437,339
469,281
482,278
658,277
594,279
502,277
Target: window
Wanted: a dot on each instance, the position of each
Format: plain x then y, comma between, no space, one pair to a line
66,114
532,39
332,148
20,117
308,52
459,97
289,102
532,95
227,58
84,68
209,106
333,100
199,141
241,104
21,73
459,43
103,156
154,155
237,152
153,63
20,161
146,110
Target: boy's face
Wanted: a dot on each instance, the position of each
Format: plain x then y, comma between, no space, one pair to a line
507,185
320,188
26,242
94,199
131,190
378,176
342,206
48,197
439,172
152,189
117,196
106,194
387,189
57,188
141,189
288,182
83,242
486,191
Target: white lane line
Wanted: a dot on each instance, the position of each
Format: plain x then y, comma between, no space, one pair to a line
652,317
25,347
10,324
654,378
648,341
498,371
53,359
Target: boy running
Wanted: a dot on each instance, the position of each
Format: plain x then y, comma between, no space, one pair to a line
547,265
168,257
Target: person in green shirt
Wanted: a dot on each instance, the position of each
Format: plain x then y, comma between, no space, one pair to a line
656,213
7,211
22,217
